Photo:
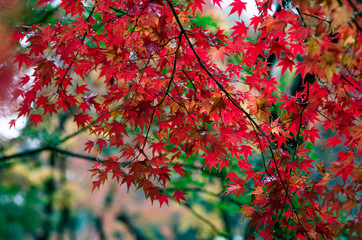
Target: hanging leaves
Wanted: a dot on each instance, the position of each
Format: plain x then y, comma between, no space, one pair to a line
165,97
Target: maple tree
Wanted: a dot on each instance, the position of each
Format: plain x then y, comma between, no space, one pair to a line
167,104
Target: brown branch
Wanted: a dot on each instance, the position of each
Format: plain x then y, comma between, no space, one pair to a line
49,148
202,190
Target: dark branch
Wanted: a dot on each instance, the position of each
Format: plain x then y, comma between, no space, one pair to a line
49,148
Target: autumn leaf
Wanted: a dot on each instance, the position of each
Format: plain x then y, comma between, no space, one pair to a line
217,53
235,188
82,119
12,123
217,2
311,134
89,145
237,6
239,29
35,118
333,141
286,63
81,89
179,169
247,210
179,195
163,199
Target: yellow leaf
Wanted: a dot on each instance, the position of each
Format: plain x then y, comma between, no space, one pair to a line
329,65
314,48
247,210
342,15
357,131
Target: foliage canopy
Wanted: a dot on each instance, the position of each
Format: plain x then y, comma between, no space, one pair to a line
178,94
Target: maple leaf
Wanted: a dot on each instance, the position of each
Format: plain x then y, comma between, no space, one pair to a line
112,164
311,134
89,145
84,106
129,180
179,169
96,184
22,58
255,20
179,195
35,118
158,147
82,119
118,129
286,63
246,150
357,131
239,29
218,103
275,128
101,143
277,47
216,53
163,199
235,188
117,174
12,123
81,89
89,100
333,141
217,2
150,46
247,210
197,4
309,65
237,6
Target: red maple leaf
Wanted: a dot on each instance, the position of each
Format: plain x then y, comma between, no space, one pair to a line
237,6
239,29
35,118
179,169
82,119
255,20
216,53
286,63
179,195
217,2
235,188
334,141
89,145
12,123
197,4
311,134
163,199
81,89
158,147
101,143
277,47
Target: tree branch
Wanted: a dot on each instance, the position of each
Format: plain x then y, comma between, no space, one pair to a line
233,101
49,148
201,190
